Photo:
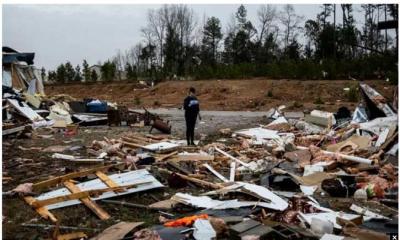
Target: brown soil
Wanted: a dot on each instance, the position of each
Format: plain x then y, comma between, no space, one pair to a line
235,95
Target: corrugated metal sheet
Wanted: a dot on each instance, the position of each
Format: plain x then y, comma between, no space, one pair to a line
122,179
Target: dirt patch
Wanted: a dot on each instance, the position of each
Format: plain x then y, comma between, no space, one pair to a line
234,95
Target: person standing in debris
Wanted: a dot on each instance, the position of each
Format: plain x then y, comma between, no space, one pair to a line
192,110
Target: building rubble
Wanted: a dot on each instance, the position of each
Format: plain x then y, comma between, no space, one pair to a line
320,175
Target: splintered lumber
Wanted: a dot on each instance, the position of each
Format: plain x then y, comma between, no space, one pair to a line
231,157
43,211
217,174
158,138
132,145
162,158
194,157
134,141
199,182
144,139
57,180
343,156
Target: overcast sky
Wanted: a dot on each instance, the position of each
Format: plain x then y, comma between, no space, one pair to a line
57,33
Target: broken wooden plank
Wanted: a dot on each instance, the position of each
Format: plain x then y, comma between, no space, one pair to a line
194,157
43,211
162,158
143,139
132,145
57,180
134,141
100,212
158,138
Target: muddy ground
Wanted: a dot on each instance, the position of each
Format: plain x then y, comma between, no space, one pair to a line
233,95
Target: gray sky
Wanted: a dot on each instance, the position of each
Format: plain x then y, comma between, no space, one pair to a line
57,33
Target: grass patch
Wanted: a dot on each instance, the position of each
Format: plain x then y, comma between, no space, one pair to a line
352,95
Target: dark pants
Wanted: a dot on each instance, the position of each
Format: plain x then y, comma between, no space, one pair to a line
190,124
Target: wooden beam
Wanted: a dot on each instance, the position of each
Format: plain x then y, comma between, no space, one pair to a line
132,145
108,181
194,157
143,139
43,211
57,180
162,158
135,141
100,212
158,138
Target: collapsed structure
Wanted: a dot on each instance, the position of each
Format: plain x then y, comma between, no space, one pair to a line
297,175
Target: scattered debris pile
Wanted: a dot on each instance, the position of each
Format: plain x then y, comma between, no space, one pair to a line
320,175
26,107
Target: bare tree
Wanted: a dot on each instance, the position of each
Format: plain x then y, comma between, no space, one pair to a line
291,23
119,62
155,30
186,24
266,17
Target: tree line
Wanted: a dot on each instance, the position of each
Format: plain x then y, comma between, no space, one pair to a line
175,46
